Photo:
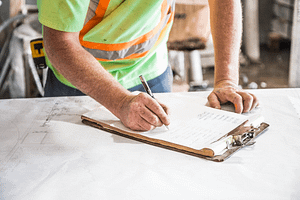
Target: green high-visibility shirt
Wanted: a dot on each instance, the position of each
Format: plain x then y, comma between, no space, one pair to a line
123,22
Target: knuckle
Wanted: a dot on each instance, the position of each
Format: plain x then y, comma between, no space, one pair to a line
153,120
136,105
249,98
255,99
237,98
156,121
246,108
230,89
141,112
210,97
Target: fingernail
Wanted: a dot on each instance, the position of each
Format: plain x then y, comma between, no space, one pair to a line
218,107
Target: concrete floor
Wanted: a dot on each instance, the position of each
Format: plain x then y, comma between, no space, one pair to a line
271,72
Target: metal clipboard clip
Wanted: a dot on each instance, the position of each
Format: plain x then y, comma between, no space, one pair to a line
242,136
246,139
251,129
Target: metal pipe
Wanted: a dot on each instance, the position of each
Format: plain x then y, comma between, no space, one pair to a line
196,68
251,30
7,22
294,69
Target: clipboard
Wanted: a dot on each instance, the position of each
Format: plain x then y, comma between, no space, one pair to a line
242,136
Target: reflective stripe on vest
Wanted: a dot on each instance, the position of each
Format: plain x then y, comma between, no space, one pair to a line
133,49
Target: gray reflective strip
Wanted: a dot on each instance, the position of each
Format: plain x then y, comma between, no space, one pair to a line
113,55
91,10
139,48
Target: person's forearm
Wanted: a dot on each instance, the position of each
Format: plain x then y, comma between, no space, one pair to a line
81,69
226,27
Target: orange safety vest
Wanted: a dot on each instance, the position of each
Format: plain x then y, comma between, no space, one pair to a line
136,48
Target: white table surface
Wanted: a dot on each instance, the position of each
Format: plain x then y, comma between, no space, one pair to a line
47,153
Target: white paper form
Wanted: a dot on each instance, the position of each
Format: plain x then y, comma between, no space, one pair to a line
203,126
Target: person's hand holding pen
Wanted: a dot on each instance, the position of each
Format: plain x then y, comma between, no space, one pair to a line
143,113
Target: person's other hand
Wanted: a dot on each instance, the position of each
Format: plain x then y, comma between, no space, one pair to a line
142,112
226,91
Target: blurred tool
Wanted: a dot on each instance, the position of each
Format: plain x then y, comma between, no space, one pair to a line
38,56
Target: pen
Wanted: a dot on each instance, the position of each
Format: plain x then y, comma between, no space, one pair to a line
147,89
146,86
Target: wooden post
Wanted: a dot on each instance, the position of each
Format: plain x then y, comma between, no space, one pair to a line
294,70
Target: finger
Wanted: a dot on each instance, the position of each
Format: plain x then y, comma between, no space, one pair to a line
143,125
150,117
247,100
255,102
214,101
237,101
165,107
158,110
138,124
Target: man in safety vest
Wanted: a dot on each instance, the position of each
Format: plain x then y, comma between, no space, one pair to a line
100,47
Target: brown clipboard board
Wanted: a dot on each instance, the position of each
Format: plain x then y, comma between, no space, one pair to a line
243,135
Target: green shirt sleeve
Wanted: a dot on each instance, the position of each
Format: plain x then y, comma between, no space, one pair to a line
63,15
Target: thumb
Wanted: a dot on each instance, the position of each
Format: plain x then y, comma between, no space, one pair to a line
214,101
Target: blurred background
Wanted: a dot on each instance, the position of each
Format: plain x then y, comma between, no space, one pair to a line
268,57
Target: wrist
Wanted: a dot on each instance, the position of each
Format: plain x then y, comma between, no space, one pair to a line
121,104
227,83
226,74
